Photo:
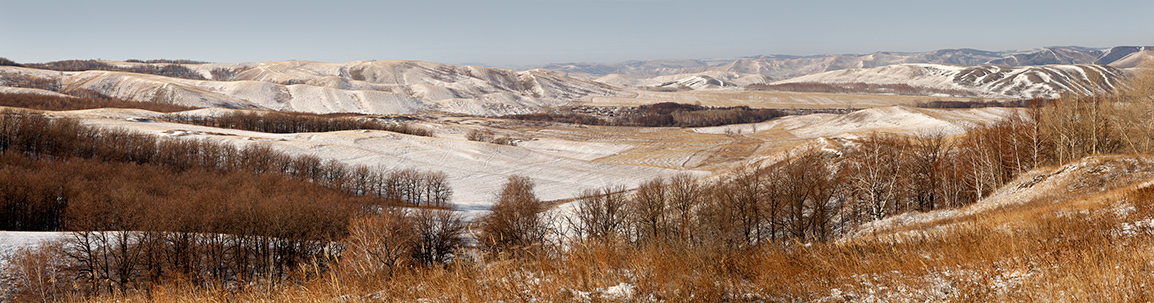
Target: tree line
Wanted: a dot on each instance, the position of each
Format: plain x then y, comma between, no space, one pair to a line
169,70
59,103
285,122
259,213
40,137
665,114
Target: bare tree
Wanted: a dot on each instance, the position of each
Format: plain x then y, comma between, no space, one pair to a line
649,212
379,243
439,235
601,214
515,223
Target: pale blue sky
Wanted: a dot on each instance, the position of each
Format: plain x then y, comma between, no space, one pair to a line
524,32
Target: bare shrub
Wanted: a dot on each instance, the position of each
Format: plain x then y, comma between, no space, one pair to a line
489,137
601,215
379,243
515,223
439,235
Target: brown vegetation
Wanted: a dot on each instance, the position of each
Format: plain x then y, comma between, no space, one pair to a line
58,103
666,114
33,204
286,122
516,224
488,136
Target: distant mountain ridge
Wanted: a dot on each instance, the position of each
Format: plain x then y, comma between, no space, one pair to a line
780,67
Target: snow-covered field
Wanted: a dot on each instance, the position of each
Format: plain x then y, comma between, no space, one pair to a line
476,170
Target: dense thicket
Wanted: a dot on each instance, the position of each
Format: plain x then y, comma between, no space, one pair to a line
41,137
170,70
282,122
30,81
139,223
57,103
145,210
665,114
8,62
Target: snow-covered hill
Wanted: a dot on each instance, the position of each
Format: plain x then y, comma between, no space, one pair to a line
697,81
784,66
375,87
1047,81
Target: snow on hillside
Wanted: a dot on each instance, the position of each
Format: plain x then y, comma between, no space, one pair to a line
894,119
787,66
697,81
1134,59
1048,81
373,87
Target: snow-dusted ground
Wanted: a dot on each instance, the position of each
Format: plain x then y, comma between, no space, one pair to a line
13,241
893,119
476,170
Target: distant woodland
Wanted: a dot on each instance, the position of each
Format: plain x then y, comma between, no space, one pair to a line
666,114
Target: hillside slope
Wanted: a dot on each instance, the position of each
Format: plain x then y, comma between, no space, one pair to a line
1047,81
785,66
374,87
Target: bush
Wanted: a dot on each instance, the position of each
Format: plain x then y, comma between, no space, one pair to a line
487,136
516,224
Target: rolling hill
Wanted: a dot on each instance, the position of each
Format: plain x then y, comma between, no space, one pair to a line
782,67
378,87
992,81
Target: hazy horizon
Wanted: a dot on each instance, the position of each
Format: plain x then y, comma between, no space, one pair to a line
534,32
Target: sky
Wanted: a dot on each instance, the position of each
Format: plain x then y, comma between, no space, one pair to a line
509,33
